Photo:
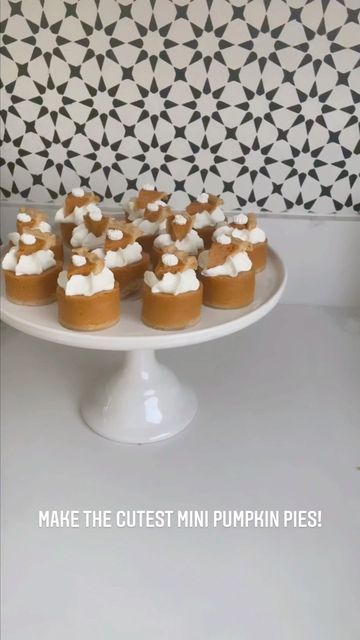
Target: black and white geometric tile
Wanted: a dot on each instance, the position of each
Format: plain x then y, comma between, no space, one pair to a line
255,99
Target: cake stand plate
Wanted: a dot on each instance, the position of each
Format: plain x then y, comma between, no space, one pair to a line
144,401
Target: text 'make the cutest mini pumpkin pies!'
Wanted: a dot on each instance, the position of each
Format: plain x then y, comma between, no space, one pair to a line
152,222
136,206
87,294
90,233
207,214
172,296
179,232
124,256
227,274
244,227
30,269
73,212
29,219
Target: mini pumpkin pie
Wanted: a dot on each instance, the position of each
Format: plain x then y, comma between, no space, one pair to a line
172,295
244,227
32,219
90,233
227,274
152,223
73,212
124,256
207,214
180,235
30,269
136,206
87,293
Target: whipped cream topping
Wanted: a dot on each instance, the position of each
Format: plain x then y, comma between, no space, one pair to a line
13,237
174,283
203,198
121,257
240,218
208,219
180,219
114,234
94,212
149,228
223,239
219,231
82,237
148,187
239,234
80,285
23,217
169,259
32,264
232,266
27,238
76,217
254,236
155,206
192,243
78,192
44,227
78,261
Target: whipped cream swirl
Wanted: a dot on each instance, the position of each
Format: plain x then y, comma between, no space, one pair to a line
254,236
32,264
81,285
76,217
43,226
173,283
191,243
82,237
150,228
121,257
208,218
233,265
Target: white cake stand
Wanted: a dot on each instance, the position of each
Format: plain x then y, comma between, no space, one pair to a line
144,401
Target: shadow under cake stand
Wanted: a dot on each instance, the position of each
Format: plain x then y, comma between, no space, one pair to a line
144,401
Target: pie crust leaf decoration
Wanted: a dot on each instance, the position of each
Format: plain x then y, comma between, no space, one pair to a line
72,201
157,216
43,242
130,234
178,231
209,206
94,264
219,252
36,216
185,261
145,197
96,227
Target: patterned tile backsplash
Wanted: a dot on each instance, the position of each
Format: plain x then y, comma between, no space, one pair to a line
255,99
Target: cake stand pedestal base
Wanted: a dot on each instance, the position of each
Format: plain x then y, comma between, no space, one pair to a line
143,402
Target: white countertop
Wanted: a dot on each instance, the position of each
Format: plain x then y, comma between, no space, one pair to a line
278,428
